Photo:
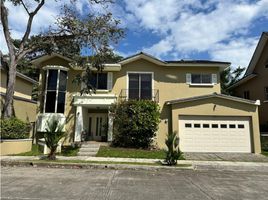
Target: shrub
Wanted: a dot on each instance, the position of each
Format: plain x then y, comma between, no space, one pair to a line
173,153
13,128
135,123
53,134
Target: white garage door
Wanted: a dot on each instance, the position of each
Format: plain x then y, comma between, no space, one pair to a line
214,134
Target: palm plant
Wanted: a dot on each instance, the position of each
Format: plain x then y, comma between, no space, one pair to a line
53,134
173,153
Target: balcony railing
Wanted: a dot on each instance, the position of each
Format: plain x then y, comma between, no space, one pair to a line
139,95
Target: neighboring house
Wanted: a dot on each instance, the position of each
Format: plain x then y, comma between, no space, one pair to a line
188,93
254,84
24,106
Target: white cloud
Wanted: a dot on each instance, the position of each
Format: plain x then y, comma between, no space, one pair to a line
161,48
44,18
216,27
238,51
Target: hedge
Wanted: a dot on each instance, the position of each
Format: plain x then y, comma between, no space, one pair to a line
13,128
135,123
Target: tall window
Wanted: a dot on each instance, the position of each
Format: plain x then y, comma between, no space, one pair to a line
99,81
55,91
139,86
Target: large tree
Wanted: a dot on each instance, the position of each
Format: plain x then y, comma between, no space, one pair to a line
71,33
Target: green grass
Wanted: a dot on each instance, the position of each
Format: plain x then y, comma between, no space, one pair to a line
105,151
65,151
265,153
69,151
34,152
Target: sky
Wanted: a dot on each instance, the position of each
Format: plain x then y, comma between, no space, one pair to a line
222,30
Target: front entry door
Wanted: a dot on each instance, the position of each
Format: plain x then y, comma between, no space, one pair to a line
98,126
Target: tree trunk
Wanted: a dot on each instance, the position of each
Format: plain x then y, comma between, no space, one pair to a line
8,105
52,153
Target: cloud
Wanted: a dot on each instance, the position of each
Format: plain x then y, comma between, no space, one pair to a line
44,18
239,51
218,28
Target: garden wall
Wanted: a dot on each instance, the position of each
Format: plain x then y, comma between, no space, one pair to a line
15,146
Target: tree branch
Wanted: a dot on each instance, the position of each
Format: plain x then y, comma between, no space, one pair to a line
4,19
29,25
25,7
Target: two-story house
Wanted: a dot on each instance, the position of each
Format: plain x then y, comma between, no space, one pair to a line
254,84
187,91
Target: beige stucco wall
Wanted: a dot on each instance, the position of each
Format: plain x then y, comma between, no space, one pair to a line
171,83
218,107
23,88
9,147
71,89
256,86
23,110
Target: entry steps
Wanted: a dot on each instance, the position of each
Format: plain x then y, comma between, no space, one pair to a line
89,149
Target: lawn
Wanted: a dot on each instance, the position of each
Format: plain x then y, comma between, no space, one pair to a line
65,151
34,152
105,151
264,145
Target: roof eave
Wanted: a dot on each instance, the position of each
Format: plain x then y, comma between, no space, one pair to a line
43,58
176,101
257,53
243,80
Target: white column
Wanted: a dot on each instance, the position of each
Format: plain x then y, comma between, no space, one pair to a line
110,126
78,124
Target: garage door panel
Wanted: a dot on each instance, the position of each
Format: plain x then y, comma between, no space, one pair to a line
214,134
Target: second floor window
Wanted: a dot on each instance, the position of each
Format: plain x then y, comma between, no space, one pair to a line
246,94
99,81
55,81
140,86
201,78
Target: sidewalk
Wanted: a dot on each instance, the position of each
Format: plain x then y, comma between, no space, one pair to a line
197,165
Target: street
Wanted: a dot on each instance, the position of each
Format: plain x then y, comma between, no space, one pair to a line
46,183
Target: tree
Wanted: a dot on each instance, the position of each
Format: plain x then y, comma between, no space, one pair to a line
135,123
173,152
73,32
228,77
53,134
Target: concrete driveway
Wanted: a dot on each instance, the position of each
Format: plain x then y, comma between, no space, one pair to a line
45,183
239,157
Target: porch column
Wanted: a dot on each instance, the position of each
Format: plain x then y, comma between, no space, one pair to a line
110,126
78,124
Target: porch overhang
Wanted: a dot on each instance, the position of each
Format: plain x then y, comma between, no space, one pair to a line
94,100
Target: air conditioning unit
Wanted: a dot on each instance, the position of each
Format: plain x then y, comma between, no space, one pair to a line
42,120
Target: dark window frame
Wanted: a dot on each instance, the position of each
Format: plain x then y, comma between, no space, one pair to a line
141,90
55,103
97,80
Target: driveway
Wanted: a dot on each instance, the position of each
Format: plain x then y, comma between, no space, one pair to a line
239,157
45,183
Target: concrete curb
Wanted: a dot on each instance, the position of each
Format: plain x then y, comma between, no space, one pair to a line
91,166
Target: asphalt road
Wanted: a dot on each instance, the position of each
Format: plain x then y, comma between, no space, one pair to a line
43,183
